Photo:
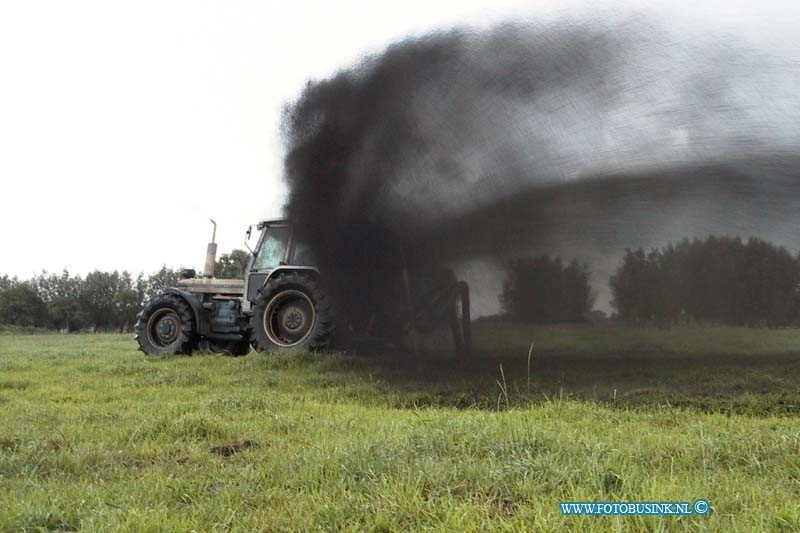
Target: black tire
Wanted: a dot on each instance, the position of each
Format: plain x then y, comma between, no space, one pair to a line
165,326
292,311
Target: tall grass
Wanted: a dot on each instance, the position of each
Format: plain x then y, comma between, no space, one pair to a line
94,436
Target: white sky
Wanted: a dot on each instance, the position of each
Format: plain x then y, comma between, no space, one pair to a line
124,126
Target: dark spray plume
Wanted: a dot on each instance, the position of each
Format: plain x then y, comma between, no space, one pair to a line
428,138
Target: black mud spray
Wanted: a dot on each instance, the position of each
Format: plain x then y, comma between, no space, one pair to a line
578,138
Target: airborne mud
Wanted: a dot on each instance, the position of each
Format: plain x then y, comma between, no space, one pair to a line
579,139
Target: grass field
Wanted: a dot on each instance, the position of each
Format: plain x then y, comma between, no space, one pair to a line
94,436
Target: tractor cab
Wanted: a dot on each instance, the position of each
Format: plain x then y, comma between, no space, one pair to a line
277,249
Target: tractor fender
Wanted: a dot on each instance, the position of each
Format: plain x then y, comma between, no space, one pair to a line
200,314
257,280
291,268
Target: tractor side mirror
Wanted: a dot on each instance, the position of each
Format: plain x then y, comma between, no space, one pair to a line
248,235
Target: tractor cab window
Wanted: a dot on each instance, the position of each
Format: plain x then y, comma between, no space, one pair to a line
272,251
302,254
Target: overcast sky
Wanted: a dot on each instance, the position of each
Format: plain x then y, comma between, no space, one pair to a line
124,126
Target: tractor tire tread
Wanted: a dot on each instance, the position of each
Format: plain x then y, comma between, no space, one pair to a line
188,336
323,329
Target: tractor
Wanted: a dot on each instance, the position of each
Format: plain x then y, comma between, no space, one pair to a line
285,301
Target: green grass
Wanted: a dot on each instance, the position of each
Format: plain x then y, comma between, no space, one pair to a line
94,436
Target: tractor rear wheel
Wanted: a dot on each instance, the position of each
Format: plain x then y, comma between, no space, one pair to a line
165,326
291,311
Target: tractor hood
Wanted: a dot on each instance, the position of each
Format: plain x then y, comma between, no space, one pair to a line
233,287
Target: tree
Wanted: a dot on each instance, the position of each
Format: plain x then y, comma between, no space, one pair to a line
127,301
7,282
577,298
633,286
232,265
769,277
157,282
718,280
542,290
21,305
62,295
98,297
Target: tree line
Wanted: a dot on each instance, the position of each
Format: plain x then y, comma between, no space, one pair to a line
544,289
98,301
721,280
718,280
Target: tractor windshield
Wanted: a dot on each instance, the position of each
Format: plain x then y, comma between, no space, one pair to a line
272,251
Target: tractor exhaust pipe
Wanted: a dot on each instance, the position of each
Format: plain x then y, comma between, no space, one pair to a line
211,254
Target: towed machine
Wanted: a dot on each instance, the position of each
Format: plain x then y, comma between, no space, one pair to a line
284,302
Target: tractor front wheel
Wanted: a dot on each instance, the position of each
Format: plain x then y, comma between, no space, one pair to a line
291,311
165,326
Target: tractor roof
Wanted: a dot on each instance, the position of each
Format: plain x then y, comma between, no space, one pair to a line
272,222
